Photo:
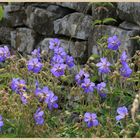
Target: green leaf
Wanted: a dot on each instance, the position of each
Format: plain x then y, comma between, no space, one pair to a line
96,22
108,20
1,12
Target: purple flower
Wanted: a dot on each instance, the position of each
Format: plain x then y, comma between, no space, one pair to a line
88,86
81,76
1,122
58,70
23,98
113,43
103,66
51,101
54,43
123,56
38,116
42,93
57,59
60,51
36,53
18,85
34,65
123,112
91,119
69,61
100,88
125,70
4,53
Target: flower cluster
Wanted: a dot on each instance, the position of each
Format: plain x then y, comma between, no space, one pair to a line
82,79
19,86
34,64
61,60
47,96
4,53
125,70
1,122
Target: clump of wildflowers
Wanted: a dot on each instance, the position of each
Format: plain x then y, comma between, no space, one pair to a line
47,96
113,43
123,112
1,122
61,60
4,53
38,116
34,65
103,66
91,119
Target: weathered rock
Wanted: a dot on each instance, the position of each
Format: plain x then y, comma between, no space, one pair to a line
129,26
75,48
77,6
14,15
101,11
23,39
42,20
129,11
124,36
5,35
76,25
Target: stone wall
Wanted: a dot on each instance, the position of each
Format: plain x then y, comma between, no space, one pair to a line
26,26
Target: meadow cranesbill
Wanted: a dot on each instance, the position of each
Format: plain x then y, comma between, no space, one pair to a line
125,70
38,116
60,51
113,43
42,93
69,61
123,112
103,66
100,89
51,101
54,43
91,119
123,56
4,53
79,78
57,59
87,85
37,54
1,122
58,70
18,85
34,65
23,97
